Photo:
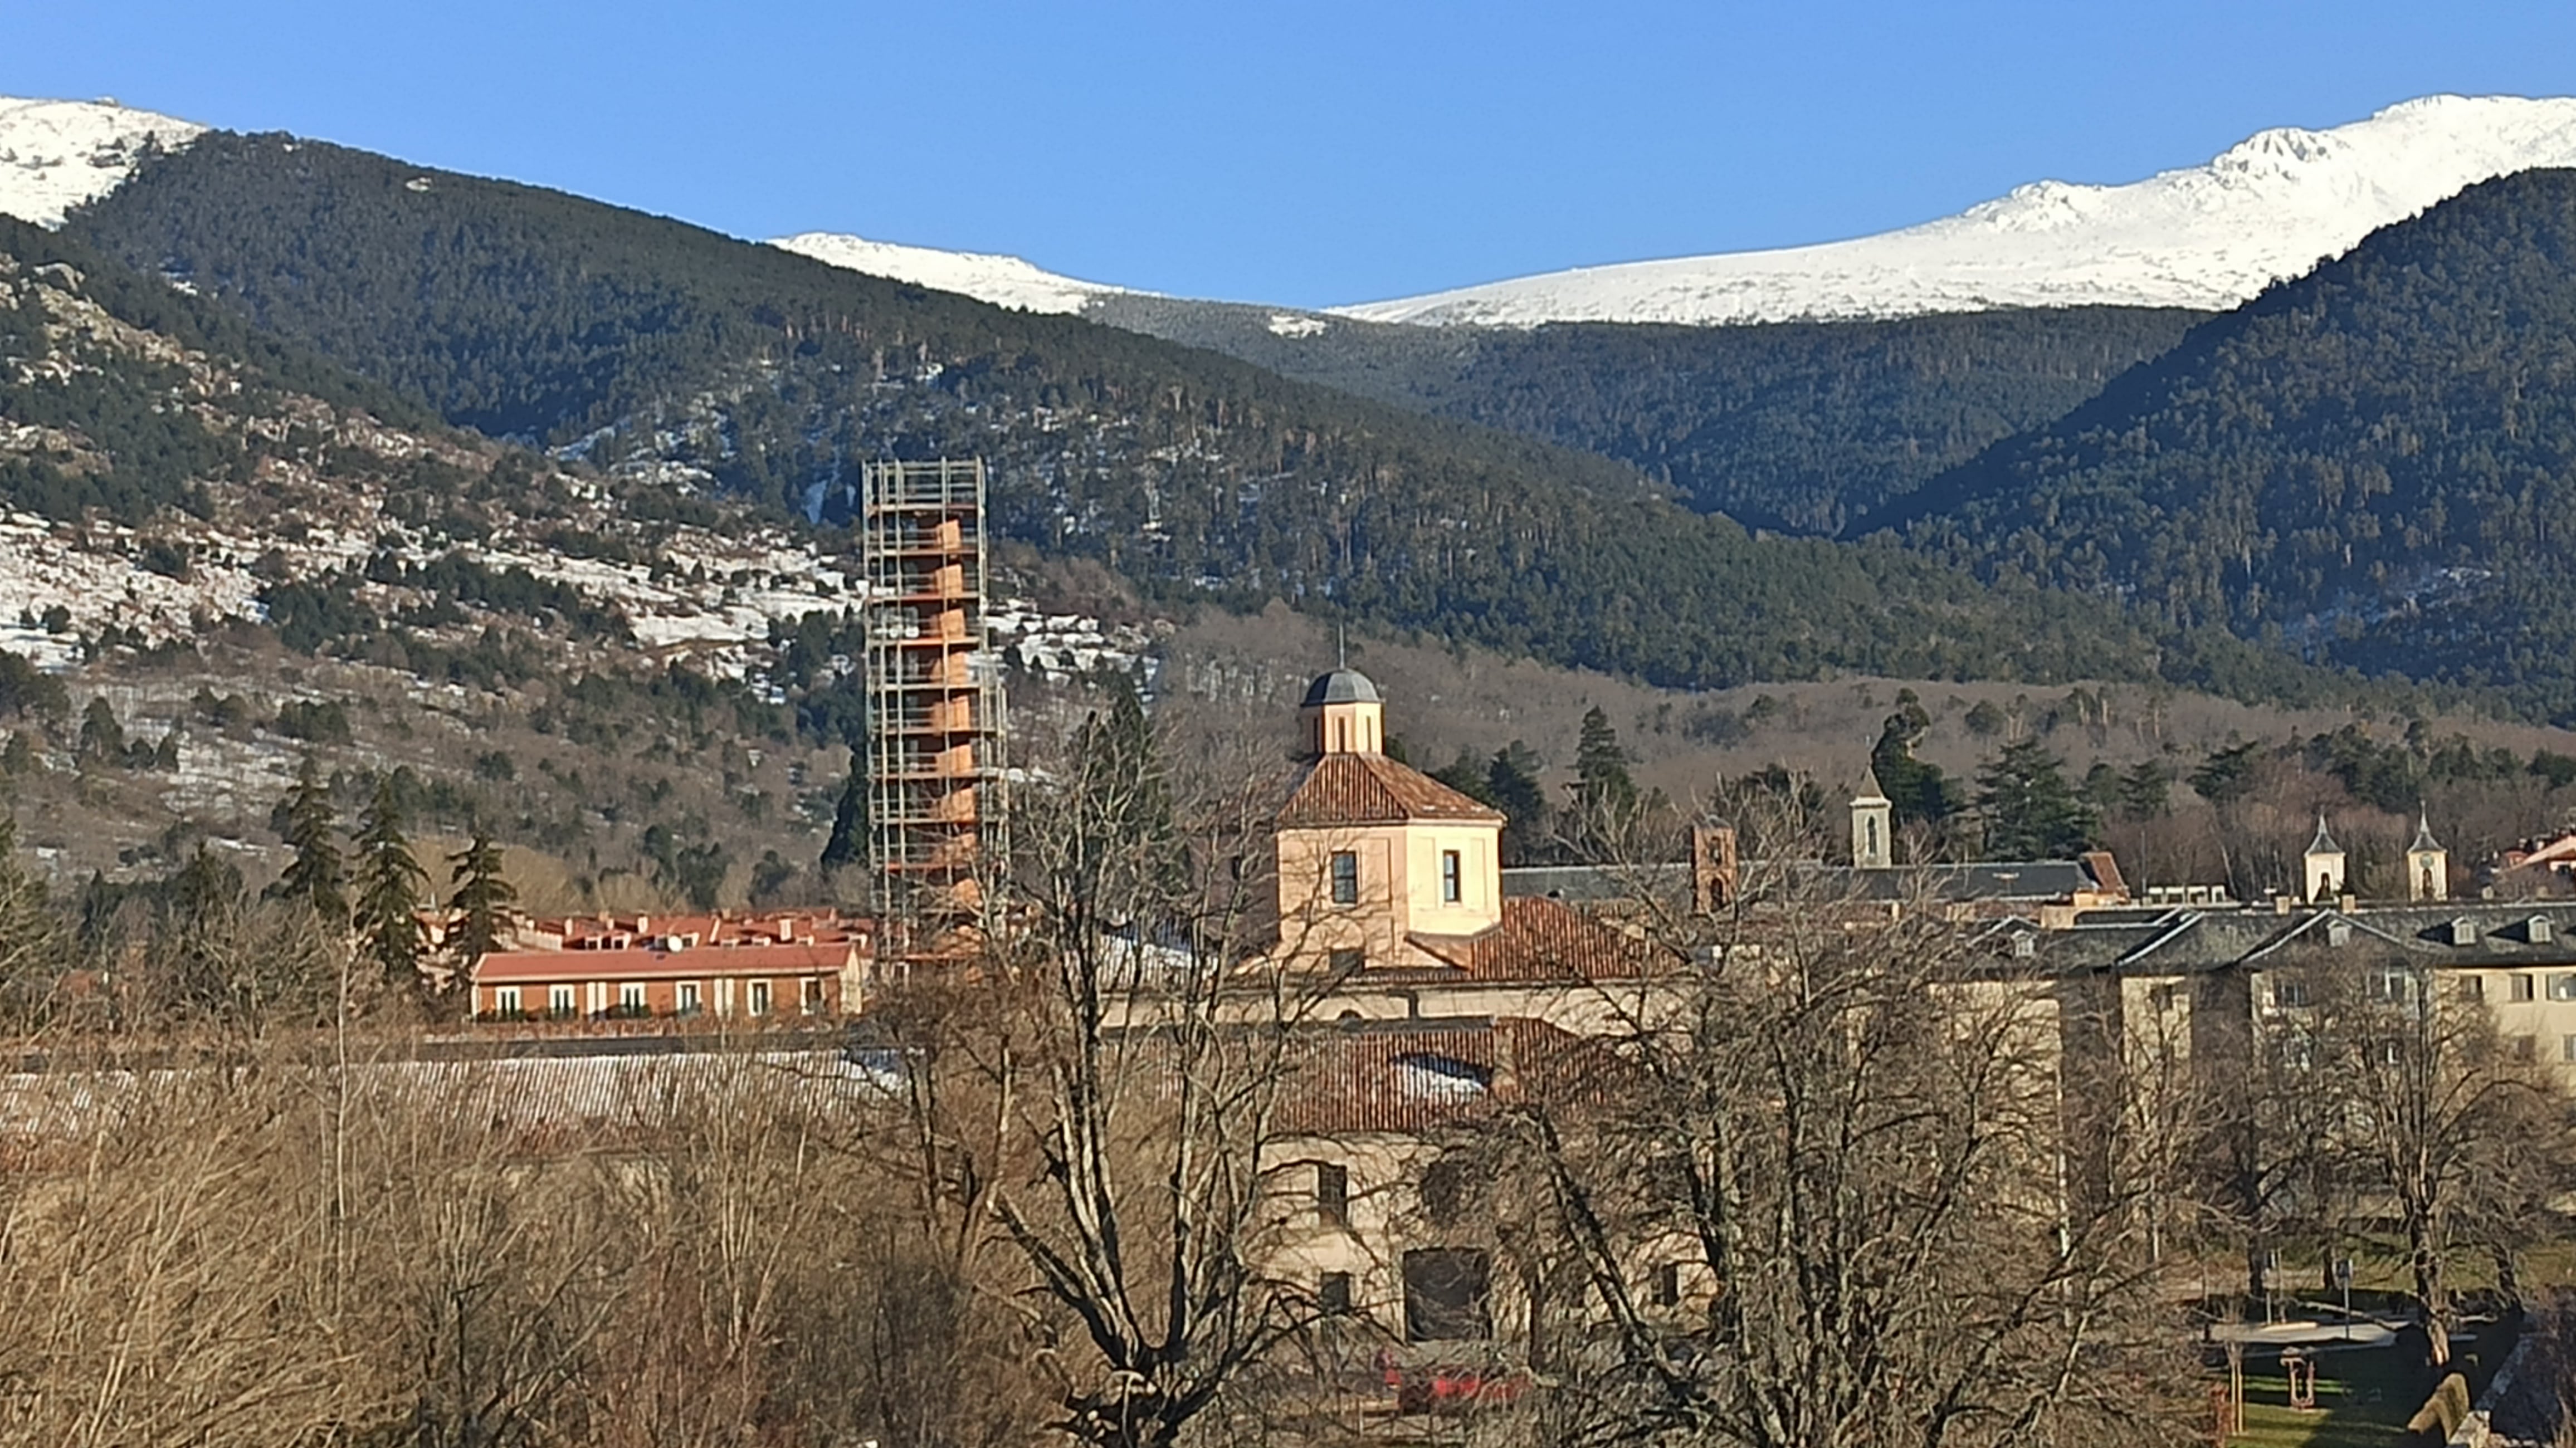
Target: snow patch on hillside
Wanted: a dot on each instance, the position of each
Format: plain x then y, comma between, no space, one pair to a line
1005,281
55,155
2207,237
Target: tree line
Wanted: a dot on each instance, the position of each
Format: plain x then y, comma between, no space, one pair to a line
200,948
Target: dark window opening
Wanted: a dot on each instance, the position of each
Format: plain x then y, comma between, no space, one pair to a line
1452,878
1343,962
1445,1295
1668,1285
1333,1194
1346,878
1333,1294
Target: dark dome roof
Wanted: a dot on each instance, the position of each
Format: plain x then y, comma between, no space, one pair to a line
1342,686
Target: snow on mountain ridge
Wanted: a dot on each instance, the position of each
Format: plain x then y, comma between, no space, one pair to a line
2207,237
1005,281
54,155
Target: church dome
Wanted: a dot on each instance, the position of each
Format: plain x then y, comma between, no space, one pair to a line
1342,686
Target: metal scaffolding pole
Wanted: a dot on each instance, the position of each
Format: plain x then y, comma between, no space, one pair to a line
934,691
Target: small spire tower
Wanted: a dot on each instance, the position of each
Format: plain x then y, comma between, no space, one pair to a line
2323,862
1873,845
2428,865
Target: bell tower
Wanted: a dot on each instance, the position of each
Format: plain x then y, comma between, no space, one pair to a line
2324,865
2428,865
1872,819
1343,714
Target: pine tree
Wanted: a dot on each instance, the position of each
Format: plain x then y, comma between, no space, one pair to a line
481,903
2145,790
101,737
2031,811
1468,775
1601,782
1128,758
1511,782
1124,802
849,842
1920,792
2227,775
391,884
317,875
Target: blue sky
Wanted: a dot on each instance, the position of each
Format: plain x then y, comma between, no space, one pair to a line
1297,153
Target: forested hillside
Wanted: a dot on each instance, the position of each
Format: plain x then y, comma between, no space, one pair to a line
2375,464
97,428
1797,426
639,341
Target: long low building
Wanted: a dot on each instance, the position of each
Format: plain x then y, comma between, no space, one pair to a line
610,968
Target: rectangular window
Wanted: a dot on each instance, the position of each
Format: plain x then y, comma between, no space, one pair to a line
809,996
2289,994
688,998
1346,877
2567,1048
559,1002
1343,962
2562,987
1453,881
1333,1191
505,1001
2521,988
758,998
1445,1295
2473,987
2526,1048
1668,1285
1333,1294
630,999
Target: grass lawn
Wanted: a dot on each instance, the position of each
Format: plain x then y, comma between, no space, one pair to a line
2363,1401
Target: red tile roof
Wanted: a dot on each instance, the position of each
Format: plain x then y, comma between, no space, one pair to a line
515,967
1371,789
1542,940
596,932
1418,1076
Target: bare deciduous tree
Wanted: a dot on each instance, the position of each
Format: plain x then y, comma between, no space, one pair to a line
1104,1097
2428,1118
1827,1200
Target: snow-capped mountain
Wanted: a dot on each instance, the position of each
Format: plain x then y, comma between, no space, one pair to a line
2206,237
1005,281
54,155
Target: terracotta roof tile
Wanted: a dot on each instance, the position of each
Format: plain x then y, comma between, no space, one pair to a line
1417,1076
507,967
1542,940
1371,789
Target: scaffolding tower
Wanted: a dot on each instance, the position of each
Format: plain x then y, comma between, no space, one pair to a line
934,691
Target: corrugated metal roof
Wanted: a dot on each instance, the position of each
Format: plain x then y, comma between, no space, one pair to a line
592,1093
